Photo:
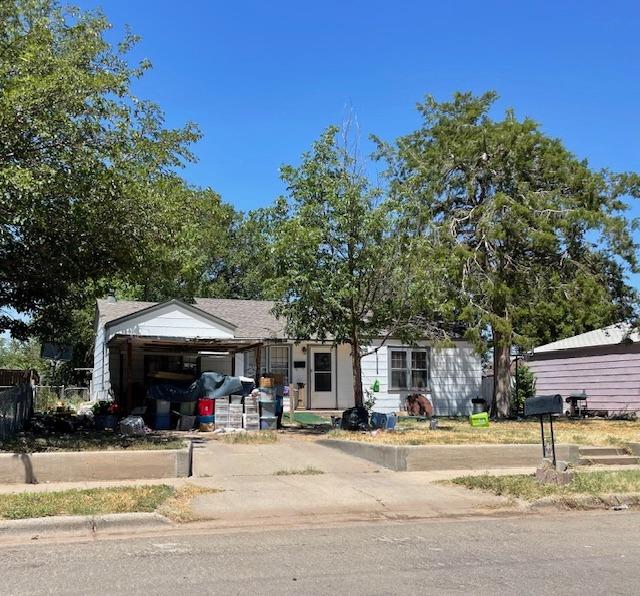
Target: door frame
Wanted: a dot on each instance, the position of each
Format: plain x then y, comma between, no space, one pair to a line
334,371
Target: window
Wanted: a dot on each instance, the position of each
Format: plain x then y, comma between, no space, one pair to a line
273,359
279,361
408,369
250,363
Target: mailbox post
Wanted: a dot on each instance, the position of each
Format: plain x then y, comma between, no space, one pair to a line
544,405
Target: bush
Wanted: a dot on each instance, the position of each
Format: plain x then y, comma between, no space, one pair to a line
525,382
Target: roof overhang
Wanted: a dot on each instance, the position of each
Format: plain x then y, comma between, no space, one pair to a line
187,343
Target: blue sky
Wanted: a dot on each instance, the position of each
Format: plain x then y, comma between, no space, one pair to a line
262,79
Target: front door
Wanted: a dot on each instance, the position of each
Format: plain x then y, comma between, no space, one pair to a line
323,378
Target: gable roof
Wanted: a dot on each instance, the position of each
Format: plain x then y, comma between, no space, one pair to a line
607,336
249,318
174,302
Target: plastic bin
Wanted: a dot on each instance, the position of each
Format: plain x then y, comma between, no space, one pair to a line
163,406
206,419
268,408
163,421
268,423
479,420
385,421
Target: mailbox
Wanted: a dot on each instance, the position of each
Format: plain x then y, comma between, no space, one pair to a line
543,405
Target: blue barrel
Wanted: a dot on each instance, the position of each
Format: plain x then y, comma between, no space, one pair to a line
206,419
163,421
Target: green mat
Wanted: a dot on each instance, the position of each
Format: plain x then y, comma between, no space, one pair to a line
307,418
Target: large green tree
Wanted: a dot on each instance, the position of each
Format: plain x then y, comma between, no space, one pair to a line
538,242
80,156
344,271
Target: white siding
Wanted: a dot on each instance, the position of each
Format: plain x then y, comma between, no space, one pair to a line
100,377
455,376
171,321
344,372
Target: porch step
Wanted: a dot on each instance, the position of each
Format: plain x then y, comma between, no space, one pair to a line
609,460
590,451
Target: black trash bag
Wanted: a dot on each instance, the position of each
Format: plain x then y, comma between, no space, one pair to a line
355,419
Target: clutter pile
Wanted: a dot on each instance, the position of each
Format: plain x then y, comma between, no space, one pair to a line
217,402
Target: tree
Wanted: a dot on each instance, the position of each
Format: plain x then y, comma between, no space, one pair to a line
22,355
343,272
537,239
79,155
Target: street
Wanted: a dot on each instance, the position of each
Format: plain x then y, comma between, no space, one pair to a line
553,554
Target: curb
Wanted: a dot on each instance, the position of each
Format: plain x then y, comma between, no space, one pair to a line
586,502
82,524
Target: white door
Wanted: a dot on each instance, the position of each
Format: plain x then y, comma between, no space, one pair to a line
322,369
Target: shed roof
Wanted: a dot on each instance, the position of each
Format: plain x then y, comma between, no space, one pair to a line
251,318
607,336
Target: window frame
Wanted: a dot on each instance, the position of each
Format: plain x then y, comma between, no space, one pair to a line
409,368
265,361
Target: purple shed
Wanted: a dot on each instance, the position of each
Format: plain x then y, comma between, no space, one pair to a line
605,363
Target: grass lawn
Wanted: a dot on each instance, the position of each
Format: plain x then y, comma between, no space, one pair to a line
460,432
88,441
174,503
307,419
94,501
250,438
528,488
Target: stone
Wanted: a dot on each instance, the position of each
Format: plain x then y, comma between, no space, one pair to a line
546,473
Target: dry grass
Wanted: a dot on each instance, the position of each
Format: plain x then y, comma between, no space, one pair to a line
94,501
460,432
308,471
178,506
521,486
89,441
253,438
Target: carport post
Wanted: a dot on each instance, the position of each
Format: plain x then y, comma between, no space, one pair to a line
129,376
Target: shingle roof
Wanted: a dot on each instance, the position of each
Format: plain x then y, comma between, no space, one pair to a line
252,318
607,336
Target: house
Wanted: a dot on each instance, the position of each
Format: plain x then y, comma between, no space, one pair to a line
135,340
604,363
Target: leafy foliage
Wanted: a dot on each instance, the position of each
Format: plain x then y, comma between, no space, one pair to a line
538,242
345,272
523,388
77,153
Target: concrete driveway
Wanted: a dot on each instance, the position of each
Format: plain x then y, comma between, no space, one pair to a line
216,458
262,484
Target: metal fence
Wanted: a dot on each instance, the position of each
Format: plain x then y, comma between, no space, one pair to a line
47,397
15,406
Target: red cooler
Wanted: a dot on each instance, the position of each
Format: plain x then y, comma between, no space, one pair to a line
205,407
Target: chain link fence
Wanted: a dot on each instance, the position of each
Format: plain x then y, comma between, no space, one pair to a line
47,397
15,407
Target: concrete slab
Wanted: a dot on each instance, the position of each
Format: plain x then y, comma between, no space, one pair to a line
401,458
77,466
299,498
215,458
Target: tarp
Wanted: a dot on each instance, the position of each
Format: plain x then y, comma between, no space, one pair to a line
209,384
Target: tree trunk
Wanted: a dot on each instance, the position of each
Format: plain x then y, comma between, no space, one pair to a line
356,365
501,374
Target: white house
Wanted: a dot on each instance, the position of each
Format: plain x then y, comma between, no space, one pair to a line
136,339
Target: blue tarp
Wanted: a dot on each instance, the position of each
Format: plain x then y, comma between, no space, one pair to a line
209,384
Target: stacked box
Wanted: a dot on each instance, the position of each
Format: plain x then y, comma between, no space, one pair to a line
235,415
222,412
251,422
235,399
250,405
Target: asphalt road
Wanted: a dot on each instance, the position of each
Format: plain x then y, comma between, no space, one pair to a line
564,554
